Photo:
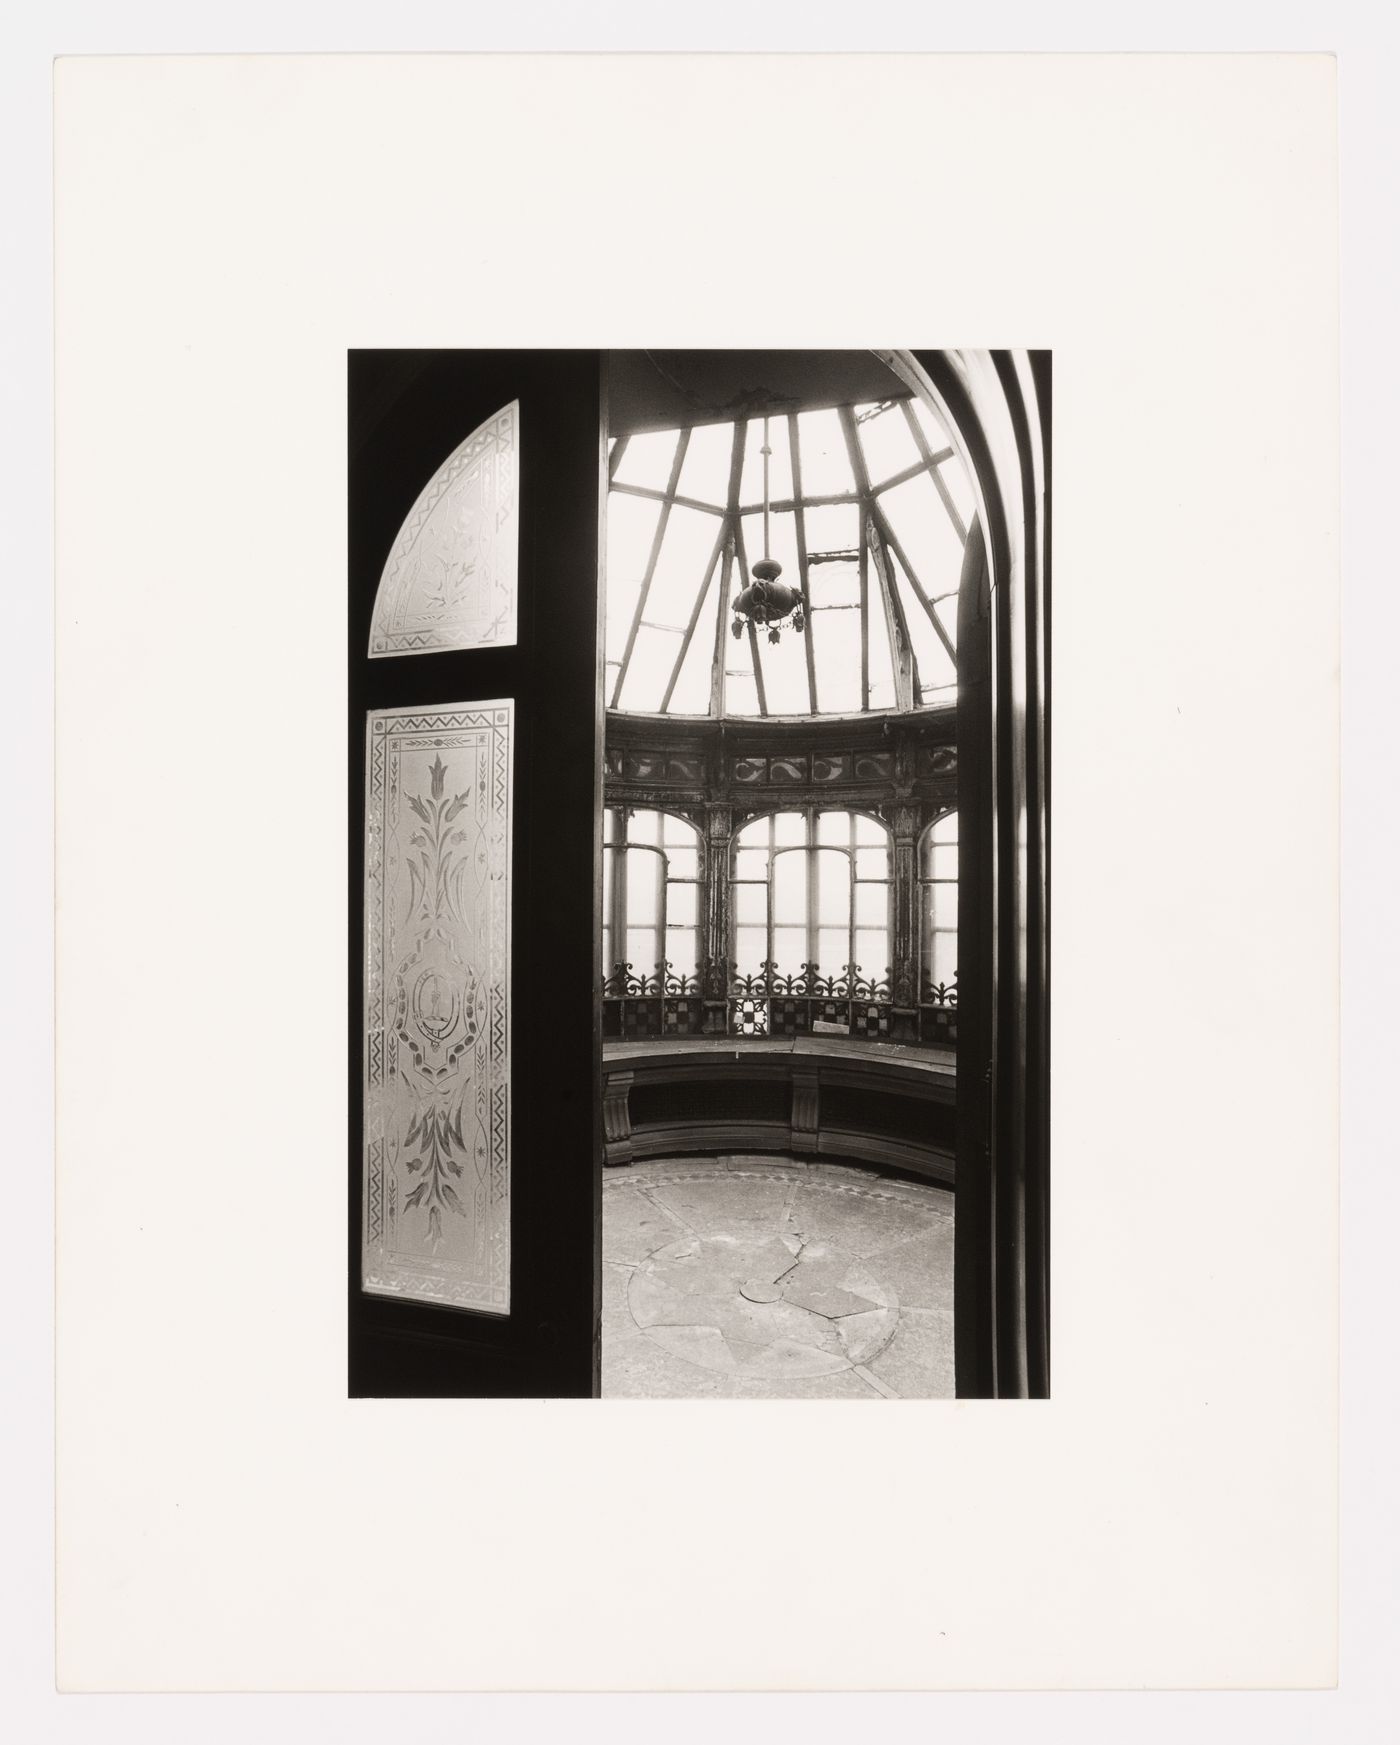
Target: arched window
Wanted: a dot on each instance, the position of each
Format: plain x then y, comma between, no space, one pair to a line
651,892
938,911
811,888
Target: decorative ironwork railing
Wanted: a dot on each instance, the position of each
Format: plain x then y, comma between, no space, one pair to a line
938,1012
668,1003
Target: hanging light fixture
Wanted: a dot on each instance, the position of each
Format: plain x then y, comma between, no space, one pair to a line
766,600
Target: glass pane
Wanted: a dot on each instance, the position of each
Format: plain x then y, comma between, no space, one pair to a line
681,950
644,827
943,860
954,476
826,469
686,550
608,864
947,612
872,951
705,471
945,957
648,459
436,1182
882,692
676,829
751,905
785,673
836,648
872,905
835,584
682,863
789,828
933,429
450,579
643,873
642,949
887,444
607,951
692,693
681,905
740,693
790,888
926,535
870,831
945,905
831,527
935,664
833,948
833,871
753,862
779,462
750,949
789,949
631,524
834,827
653,656
872,863
946,828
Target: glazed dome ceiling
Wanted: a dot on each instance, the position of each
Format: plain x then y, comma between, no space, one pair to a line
869,513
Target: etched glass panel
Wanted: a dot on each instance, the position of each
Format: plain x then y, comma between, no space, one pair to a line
450,582
436,1210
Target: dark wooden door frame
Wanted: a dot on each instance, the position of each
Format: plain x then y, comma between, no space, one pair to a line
997,405
407,411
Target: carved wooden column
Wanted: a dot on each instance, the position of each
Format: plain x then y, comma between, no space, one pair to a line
719,825
806,1110
904,968
617,1119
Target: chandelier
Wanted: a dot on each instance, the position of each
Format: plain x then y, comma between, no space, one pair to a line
766,600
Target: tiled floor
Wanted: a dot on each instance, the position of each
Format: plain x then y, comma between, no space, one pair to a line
766,1278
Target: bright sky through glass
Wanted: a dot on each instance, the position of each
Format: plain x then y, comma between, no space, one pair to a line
874,541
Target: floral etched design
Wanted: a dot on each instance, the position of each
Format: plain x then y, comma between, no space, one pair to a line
437,1069
435,1005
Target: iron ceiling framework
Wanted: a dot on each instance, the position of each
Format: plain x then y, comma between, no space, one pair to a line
916,610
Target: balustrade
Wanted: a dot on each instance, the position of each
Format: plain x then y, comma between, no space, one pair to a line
669,1004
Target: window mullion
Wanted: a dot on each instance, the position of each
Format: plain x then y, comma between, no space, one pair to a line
813,874
661,866
771,952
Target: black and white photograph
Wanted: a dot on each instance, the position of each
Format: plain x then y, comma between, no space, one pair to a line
699,724
696,995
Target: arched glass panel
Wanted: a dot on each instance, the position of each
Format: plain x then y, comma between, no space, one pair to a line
651,893
811,889
450,580
938,910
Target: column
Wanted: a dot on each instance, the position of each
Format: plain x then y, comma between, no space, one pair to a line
904,967
719,823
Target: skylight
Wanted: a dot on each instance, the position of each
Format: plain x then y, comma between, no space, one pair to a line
870,509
